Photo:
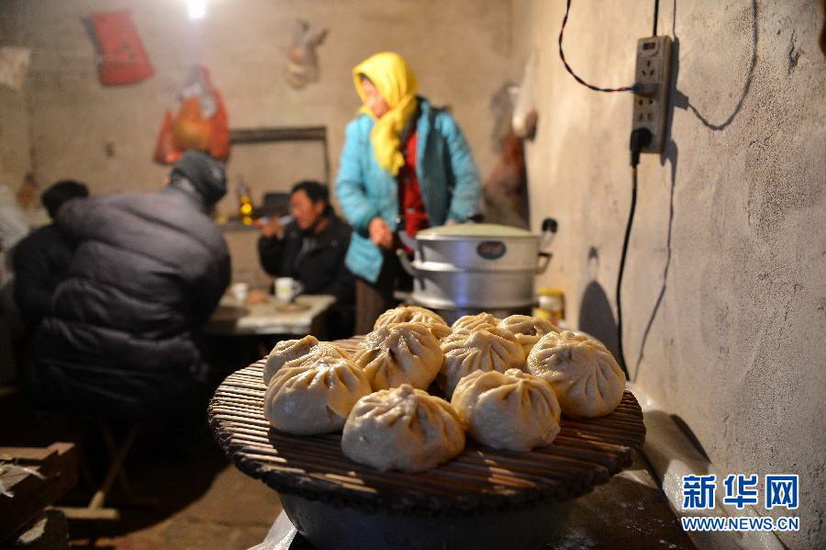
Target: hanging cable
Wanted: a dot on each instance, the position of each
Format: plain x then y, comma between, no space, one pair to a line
568,67
622,270
656,16
640,137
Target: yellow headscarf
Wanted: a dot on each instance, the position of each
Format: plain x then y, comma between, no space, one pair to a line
397,84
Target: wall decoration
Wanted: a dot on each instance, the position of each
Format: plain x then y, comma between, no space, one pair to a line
14,62
302,60
506,188
201,122
525,115
121,57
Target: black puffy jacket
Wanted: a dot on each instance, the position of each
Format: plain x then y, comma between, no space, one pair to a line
147,273
315,260
41,261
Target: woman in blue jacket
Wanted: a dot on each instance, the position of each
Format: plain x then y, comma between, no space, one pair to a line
403,159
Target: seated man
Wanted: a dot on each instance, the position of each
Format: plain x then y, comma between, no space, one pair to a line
41,260
311,249
122,340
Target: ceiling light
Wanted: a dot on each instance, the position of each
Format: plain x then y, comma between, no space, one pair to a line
196,8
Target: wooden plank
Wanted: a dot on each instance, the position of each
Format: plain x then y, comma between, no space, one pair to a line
57,464
280,133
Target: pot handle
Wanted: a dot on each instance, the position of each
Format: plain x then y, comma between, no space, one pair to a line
549,227
402,235
405,261
542,262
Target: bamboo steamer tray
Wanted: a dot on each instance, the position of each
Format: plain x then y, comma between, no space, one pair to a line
483,499
587,452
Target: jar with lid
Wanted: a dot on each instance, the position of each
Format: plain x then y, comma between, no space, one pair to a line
551,305
245,204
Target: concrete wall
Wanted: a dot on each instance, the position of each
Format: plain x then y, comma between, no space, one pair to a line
106,135
725,295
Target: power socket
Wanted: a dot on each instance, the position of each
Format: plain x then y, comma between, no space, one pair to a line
651,84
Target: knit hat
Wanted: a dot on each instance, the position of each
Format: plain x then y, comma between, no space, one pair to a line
205,173
62,191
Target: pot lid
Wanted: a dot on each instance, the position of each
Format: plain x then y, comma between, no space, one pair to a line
483,230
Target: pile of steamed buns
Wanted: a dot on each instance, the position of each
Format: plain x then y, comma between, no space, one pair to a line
506,384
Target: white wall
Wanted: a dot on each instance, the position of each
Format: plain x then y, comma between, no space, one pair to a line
725,288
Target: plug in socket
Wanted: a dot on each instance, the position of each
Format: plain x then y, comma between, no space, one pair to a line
651,89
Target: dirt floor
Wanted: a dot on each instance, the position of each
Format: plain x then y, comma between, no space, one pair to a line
195,498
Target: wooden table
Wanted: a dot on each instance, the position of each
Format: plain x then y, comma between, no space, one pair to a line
303,317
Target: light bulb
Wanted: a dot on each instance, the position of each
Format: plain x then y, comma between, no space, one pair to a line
196,8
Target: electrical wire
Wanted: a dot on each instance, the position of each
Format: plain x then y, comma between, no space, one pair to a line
640,138
656,16
622,267
568,67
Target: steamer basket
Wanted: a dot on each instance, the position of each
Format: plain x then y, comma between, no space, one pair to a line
476,267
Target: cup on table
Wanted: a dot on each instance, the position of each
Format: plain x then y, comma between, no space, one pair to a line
286,289
239,292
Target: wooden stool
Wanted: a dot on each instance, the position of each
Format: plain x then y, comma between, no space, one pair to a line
96,509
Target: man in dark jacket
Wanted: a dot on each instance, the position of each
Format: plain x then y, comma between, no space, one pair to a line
311,249
41,259
148,271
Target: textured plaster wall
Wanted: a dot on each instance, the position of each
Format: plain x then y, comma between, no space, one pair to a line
65,124
14,120
725,292
725,288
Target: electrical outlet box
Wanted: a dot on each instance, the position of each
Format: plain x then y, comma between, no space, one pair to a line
651,85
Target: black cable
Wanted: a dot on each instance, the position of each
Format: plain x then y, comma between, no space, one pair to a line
640,137
656,16
622,268
568,67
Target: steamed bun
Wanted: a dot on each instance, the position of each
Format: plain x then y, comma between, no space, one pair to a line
403,429
486,349
415,314
528,330
511,410
400,353
474,322
585,376
296,351
314,397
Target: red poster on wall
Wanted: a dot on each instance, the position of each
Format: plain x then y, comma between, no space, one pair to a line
122,57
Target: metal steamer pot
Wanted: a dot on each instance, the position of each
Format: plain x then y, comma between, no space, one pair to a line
469,268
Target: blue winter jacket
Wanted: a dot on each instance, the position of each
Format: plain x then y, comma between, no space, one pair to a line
448,178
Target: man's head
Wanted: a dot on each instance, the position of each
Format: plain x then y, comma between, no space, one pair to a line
204,174
62,191
309,203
